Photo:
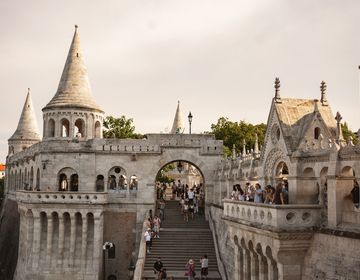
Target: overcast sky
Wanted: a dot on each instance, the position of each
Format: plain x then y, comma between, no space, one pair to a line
219,58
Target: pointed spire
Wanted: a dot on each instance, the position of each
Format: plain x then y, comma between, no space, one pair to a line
277,90
323,98
244,149
27,128
178,125
74,87
256,146
233,155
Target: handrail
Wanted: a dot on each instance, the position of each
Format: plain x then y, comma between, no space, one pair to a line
222,269
140,263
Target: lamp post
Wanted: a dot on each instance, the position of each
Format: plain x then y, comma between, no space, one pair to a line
107,247
190,121
131,269
179,166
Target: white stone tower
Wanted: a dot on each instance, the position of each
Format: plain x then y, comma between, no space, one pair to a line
27,132
178,124
73,112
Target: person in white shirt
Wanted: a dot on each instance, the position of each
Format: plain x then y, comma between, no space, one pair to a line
204,261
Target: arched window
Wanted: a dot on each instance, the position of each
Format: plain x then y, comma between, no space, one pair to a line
79,130
97,129
74,183
122,182
63,183
133,182
112,182
51,128
100,183
317,132
65,128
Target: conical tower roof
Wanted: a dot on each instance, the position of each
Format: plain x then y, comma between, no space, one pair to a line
74,87
27,128
178,125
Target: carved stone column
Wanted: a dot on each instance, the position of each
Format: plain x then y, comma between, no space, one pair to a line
72,239
98,240
61,241
84,241
49,240
36,241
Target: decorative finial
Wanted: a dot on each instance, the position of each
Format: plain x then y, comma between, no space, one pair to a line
323,98
277,90
244,148
340,138
233,156
28,90
256,146
76,27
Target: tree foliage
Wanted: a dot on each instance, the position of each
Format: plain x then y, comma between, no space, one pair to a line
162,177
120,128
235,132
347,133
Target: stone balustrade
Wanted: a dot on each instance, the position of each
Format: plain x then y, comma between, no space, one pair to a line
61,197
277,217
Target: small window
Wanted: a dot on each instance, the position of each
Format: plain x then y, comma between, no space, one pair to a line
317,132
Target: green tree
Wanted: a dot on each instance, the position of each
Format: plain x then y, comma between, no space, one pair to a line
162,176
120,128
347,133
235,132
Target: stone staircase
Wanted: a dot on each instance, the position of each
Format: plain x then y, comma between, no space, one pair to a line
180,241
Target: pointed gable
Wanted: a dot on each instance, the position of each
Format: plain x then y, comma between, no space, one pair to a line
27,128
74,87
295,115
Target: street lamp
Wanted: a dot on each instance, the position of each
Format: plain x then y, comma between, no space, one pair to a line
179,166
190,121
110,247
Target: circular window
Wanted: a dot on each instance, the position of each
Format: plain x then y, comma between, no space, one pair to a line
117,170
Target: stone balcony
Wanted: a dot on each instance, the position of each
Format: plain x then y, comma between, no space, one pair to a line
273,217
61,197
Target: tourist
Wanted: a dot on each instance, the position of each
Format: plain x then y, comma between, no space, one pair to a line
148,239
190,270
191,195
269,194
258,197
156,228
276,196
355,194
191,210
284,195
162,209
250,193
241,194
163,274
182,203
204,261
158,265
234,193
186,211
173,191
196,205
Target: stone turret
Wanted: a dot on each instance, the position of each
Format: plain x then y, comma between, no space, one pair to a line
73,112
178,124
27,132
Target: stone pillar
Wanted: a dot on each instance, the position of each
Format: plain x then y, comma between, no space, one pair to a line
293,189
50,230
36,241
61,241
98,240
254,265
84,242
72,240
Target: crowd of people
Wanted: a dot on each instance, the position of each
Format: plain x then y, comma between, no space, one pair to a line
268,195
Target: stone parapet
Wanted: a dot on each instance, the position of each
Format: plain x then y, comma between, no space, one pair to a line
61,197
274,217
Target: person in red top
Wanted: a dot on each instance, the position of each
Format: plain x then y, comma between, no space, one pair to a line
190,270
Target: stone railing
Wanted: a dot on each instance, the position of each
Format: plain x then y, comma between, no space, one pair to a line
278,217
61,197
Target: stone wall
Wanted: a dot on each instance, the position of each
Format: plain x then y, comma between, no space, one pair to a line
332,257
9,238
119,229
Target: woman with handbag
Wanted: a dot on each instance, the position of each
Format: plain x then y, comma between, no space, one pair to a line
190,270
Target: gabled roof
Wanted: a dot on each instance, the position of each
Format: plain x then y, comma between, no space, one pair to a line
294,116
27,128
74,87
178,124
